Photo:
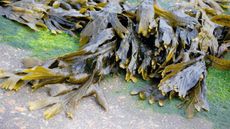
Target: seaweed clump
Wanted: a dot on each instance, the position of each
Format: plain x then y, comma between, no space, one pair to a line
172,47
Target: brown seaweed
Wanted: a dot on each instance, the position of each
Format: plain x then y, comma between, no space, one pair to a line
169,47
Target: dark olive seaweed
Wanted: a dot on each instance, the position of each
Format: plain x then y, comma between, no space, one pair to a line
170,47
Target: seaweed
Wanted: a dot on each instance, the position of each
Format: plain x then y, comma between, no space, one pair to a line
170,47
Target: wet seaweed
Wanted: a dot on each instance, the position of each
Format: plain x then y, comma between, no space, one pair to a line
171,47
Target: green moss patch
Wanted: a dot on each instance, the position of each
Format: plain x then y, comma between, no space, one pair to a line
42,44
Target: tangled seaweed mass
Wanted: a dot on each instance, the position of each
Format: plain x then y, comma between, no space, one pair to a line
171,47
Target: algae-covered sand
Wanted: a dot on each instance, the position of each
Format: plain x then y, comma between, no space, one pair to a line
42,44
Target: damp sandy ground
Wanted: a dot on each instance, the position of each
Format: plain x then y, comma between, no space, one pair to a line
123,112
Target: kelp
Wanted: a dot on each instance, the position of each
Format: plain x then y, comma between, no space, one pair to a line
171,47
222,20
220,63
146,22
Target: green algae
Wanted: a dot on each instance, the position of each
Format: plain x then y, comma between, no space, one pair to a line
42,44
48,45
218,83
